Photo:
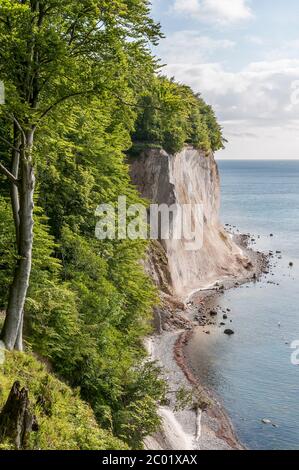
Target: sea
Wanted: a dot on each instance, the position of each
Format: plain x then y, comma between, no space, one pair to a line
254,373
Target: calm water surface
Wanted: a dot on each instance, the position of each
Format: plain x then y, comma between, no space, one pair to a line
251,372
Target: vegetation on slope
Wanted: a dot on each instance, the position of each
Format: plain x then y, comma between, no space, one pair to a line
89,302
171,115
82,87
64,420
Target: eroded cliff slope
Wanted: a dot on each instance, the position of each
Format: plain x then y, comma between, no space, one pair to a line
188,177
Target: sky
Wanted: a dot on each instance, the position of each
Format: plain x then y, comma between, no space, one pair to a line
243,57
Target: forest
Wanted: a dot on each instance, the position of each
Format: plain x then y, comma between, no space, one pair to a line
83,92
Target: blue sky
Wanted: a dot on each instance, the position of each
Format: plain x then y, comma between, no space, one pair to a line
243,56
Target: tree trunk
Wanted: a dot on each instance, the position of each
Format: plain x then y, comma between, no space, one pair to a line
12,329
14,190
15,203
16,418
19,340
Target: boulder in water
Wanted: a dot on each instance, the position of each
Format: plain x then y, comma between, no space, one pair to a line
229,332
266,421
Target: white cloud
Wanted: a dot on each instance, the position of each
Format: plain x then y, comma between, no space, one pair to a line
248,80
220,11
190,47
249,140
253,104
256,40
283,50
260,91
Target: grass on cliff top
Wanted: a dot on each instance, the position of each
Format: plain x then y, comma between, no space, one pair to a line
65,421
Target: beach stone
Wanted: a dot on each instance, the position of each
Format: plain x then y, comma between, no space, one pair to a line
229,332
213,313
225,316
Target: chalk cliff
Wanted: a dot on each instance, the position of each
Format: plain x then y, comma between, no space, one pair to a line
188,177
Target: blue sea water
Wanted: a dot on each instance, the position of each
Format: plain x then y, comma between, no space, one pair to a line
251,372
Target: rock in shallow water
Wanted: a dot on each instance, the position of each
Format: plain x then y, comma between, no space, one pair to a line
266,421
229,332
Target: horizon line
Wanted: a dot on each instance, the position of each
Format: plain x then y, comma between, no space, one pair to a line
258,159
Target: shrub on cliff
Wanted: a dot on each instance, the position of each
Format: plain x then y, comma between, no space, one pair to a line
64,420
171,115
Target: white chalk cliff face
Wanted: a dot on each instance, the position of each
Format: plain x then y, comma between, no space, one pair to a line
189,177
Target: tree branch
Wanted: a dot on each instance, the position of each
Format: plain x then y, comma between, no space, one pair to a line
9,175
135,105
9,144
16,122
82,41
20,128
63,98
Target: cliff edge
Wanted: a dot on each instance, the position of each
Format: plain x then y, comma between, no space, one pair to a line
188,177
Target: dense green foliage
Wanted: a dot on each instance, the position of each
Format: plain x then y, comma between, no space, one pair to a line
171,115
89,302
64,420
72,72
94,91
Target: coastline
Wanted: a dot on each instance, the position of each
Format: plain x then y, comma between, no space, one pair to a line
215,410
168,349
179,428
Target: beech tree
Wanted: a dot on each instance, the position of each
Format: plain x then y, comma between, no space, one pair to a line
52,51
